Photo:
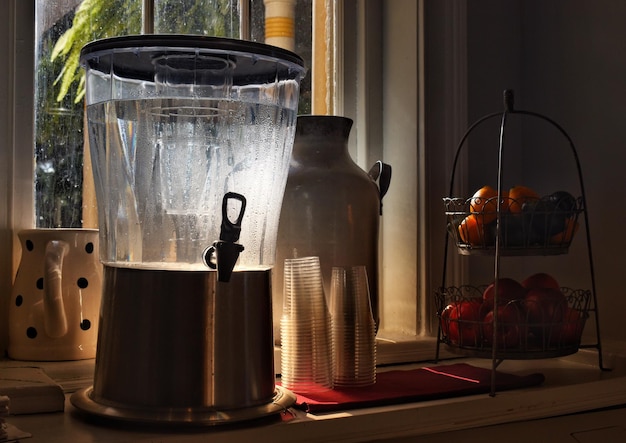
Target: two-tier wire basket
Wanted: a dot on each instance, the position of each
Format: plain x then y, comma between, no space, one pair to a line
519,328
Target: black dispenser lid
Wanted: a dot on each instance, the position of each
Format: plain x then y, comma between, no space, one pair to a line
135,55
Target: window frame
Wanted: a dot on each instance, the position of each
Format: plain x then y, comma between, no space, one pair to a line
16,207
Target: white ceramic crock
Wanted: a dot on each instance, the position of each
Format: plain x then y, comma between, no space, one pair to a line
55,301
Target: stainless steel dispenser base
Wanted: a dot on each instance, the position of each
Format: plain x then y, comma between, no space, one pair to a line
83,401
181,347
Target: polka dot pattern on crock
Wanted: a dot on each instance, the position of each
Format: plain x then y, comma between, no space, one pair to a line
31,332
82,282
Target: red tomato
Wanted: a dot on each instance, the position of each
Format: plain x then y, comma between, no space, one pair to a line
510,330
545,305
508,290
569,330
461,322
541,280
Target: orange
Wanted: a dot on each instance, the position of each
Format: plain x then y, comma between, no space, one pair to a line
571,227
518,195
471,231
483,204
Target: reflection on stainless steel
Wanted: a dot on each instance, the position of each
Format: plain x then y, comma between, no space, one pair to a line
197,416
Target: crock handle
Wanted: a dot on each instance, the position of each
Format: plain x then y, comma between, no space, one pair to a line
381,173
55,320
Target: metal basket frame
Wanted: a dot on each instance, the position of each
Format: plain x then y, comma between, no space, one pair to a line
537,235
500,248
532,338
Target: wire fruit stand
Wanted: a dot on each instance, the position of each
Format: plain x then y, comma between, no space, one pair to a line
505,319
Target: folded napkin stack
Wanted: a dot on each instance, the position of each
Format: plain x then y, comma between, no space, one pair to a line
4,411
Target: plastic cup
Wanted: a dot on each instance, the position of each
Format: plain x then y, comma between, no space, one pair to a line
305,328
353,328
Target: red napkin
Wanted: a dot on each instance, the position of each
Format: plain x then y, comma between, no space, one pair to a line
403,386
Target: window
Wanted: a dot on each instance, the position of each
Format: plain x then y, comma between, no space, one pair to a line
360,76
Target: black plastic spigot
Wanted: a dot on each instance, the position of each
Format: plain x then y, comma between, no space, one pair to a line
224,253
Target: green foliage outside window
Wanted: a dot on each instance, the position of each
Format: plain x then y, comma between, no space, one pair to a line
60,87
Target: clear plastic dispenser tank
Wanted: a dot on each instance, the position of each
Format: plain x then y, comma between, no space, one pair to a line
174,128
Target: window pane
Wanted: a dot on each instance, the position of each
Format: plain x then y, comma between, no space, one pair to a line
58,124
58,99
304,32
202,17
303,41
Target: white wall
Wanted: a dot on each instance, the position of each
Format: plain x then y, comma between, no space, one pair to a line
400,259
5,162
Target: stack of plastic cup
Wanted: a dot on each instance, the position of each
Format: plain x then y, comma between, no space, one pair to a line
353,328
305,328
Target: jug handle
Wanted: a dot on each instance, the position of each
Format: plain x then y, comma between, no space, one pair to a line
381,172
55,320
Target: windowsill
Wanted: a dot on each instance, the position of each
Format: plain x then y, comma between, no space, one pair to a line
573,384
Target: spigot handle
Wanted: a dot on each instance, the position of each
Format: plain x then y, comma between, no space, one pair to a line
230,230
224,253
